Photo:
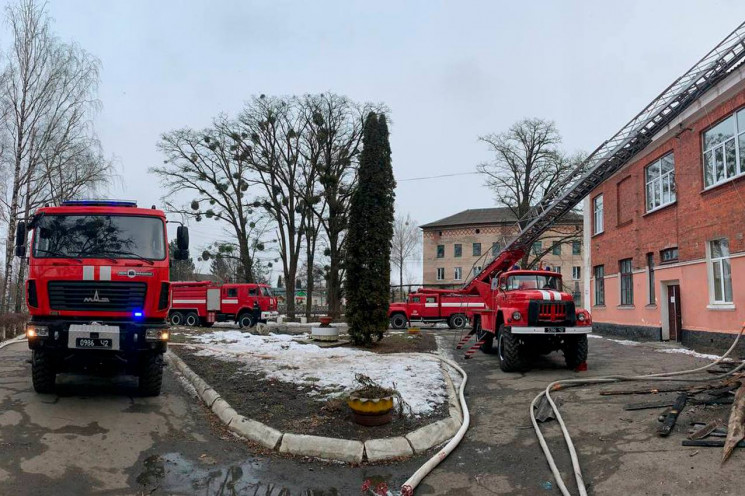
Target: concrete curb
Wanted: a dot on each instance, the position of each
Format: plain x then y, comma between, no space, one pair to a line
329,448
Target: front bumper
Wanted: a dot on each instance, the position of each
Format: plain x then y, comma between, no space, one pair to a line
552,331
124,336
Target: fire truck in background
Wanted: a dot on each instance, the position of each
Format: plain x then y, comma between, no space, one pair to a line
98,290
434,305
204,303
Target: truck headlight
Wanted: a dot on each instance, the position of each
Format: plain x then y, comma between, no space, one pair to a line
156,335
33,331
516,316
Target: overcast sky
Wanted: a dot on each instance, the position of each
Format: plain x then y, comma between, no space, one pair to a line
449,71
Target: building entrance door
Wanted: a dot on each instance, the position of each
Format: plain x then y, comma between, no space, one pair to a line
673,312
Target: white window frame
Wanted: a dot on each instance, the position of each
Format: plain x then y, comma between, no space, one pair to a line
597,214
655,186
457,273
576,273
709,155
716,265
440,274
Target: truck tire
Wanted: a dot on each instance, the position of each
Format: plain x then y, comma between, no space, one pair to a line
398,321
43,372
457,321
575,350
246,320
510,355
150,374
176,318
191,319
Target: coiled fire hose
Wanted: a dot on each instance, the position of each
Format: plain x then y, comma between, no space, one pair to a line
563,384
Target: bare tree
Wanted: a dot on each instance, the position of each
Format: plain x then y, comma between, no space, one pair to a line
404,246
528,162
47,96
209,165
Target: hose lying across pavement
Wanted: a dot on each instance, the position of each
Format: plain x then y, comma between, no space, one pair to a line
557,385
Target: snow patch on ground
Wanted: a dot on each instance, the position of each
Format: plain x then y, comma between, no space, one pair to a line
595,336
686,351
280,356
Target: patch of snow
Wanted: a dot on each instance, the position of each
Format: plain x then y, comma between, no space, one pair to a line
686,351
280,356
625,342
595,336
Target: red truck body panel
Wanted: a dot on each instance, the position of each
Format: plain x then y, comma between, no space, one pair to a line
436,306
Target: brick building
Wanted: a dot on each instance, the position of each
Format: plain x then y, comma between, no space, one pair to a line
456,247
665,233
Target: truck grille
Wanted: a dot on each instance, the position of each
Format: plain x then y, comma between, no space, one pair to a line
551,312
99,296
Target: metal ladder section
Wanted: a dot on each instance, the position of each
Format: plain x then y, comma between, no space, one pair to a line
614,153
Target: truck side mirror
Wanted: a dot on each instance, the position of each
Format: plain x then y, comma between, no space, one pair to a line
182,238
21,234
503,287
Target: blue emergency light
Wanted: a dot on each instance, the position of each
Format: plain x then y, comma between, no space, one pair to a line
99,203
137,314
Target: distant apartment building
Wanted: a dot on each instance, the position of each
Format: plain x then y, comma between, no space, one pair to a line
457,247
665,234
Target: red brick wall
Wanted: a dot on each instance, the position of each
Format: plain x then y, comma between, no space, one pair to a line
696,216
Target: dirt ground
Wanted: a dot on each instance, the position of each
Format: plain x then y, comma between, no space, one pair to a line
291,407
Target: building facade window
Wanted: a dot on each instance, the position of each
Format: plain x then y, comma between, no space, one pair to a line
495,248
576,247
724,150
597,214
556,249
721,272
537,247
576,273
440,251
669,255
440,274
650,277
627,282
477,249
458,274
458,250
660,182
599,272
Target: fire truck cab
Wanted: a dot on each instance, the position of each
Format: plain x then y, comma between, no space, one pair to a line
98,290
204,303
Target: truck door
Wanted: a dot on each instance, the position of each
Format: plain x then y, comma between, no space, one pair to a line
416,307
229,299
431,307
254,296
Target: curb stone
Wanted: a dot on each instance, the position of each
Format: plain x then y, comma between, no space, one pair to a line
345,450
323,447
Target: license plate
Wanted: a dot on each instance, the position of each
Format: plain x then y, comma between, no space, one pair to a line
92,343
555,329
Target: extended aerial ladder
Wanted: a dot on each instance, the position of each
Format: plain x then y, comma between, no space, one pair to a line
614,153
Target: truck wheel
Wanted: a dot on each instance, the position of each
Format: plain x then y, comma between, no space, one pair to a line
177,318
191,319
42,372
398,321
510,356
575,350
457,321
246,320
150,374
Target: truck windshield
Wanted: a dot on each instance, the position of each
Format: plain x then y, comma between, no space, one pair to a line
99,236
533,281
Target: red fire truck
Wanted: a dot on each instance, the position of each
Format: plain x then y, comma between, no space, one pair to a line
432,305
97,290
204,303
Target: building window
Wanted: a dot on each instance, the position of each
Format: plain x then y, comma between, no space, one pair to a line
576,273
477,249
599,271
440,251
537,248
669,255
576,247
458,274
627,282
556,249
440,274
458,250
597,214
650,277
724,150
660,180
721,273
495,249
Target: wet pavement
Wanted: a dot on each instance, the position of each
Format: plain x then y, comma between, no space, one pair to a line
96,436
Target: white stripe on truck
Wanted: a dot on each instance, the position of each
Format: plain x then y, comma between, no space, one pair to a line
190,301
462,304
228,302
105,273
88,272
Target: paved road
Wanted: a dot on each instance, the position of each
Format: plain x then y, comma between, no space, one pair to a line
96,436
